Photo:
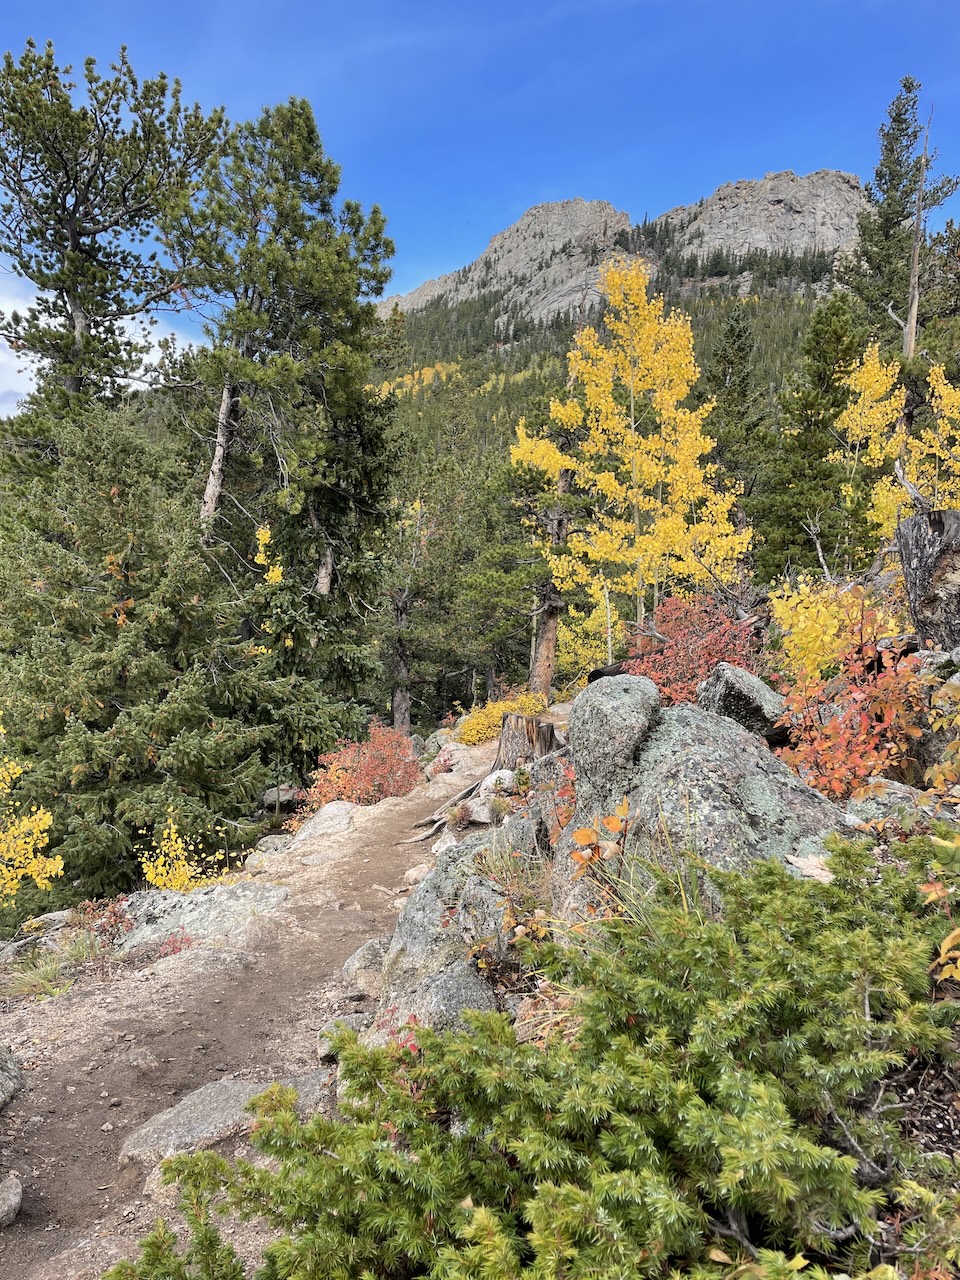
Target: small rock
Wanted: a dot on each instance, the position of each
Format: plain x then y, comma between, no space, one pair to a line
417,873
11,1196
503,782
365,967
740,695
352,1021
143,1060
106,1128
279,798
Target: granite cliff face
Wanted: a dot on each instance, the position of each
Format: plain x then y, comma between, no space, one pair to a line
781,212
546,263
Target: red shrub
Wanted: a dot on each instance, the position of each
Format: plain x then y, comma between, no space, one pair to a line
697,634
362,772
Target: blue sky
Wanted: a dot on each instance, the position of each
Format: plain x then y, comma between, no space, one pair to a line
455,118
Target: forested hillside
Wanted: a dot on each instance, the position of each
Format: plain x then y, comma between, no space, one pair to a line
221,557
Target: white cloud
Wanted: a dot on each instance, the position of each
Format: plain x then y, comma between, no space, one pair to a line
17,373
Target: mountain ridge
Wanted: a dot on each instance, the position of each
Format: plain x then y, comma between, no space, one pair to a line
546,263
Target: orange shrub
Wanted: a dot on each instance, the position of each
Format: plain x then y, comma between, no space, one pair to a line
361,772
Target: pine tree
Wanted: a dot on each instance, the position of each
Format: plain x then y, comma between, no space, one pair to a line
800,520
85,189
127,680
738,418
878,269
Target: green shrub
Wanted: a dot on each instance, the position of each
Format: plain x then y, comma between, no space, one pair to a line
715,1099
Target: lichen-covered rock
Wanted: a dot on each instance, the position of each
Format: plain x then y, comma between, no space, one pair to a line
208,1115
693,781
217,911
11,1077
880,799
427,971
730,691
609,722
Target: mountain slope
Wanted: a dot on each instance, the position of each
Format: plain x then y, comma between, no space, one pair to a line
545,264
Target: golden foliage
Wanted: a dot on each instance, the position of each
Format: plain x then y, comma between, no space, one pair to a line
637,451
23,838
484,723
876,435
174,863
821,621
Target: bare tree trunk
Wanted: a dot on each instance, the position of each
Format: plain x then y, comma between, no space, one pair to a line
929,547
400,691
913,306
545,648
221,449
549,600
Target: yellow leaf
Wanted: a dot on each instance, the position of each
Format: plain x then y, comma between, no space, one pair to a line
585,835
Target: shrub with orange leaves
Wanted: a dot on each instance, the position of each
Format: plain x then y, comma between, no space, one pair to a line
859,724
697,634
361,772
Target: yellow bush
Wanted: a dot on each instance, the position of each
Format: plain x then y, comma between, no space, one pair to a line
484,723
174,863
821,621
23,837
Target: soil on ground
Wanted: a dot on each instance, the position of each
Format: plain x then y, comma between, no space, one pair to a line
119,1047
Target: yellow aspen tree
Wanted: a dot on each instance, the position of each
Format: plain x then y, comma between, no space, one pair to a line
637,454
881,445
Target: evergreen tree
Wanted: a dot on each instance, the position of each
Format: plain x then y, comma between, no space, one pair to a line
84,190
878,269
800,521
126,679
298,442
738,421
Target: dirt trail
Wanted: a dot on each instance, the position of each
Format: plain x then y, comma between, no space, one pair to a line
111,1052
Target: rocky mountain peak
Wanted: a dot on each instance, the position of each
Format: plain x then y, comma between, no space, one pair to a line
544,263
783,212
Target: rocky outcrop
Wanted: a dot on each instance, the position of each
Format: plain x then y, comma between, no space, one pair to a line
218,911
546,263
783,212
693,780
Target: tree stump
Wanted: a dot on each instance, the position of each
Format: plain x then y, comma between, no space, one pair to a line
524,738
929,547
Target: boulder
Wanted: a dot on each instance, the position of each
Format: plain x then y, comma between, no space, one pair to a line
609,722
208,1115
11,1077
427,972
880,799
693,780
330,819
730,691
216,911
11,1195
